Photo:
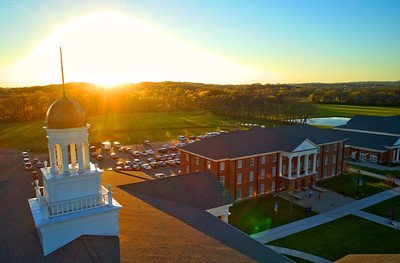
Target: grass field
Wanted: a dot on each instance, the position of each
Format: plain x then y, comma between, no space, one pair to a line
382,209
347,235
334,110
345,184
395,173
255,215
126,128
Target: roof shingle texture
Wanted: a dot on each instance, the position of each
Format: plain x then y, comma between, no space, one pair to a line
388,124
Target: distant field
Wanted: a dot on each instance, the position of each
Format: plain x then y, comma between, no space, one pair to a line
126,128
333,110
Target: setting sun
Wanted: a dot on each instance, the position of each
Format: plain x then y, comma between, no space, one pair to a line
109,49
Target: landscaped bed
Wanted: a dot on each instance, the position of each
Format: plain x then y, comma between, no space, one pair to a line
256,215
346,184
382,209
347,235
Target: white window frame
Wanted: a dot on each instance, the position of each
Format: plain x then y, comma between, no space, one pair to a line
274,158
273,172
263,159
239,178
251,176
222,166
283,168
262,188
251,191
238,193
197,160
222,180
239,164
262,173
209,164
251,161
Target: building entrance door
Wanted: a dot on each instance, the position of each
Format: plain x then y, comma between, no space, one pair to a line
363,157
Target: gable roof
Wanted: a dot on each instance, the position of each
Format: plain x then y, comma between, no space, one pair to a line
388,124
369,140
188,189
258,141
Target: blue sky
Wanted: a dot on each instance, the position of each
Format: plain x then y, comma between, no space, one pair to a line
301,41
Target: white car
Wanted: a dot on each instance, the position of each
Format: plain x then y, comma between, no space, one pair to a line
160,175
106,145
116,144
150,152
146,167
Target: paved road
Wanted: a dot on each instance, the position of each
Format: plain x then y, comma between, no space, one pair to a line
310,222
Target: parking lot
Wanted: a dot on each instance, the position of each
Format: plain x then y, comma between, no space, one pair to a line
109,163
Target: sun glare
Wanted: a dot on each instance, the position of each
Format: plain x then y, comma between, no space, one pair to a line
109,49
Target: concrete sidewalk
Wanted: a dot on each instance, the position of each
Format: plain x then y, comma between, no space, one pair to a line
377,219
310,222
299,254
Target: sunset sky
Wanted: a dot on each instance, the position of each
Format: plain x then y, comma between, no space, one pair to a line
264,41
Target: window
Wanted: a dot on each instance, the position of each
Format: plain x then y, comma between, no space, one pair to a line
262,173
239,164
250,191
239,178
318,175
209,164
318,162
333,171
222,166
325,172
262,188
284,169
326,160
327,148
222,180
197,160
187,169
187,157
251,176
273,186
238,193
273,171
334,158
340,156
263,160
335,147
251,161
274,158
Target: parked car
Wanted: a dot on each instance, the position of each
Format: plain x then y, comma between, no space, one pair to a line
162,150
119,164
119,168
136,167
99,157
129,163
192,137
116,144
27,160
150,159
28,166
146,166
129,150
181,138
128,168
122,148
162,163
166,146
35,160
39,165
144,153
150,152
160,175
170,162
92,148
137,161
114,156
106,145
136,153
24,155
154,164
146,142
94,154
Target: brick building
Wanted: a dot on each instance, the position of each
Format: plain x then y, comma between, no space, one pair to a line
373,139
259,161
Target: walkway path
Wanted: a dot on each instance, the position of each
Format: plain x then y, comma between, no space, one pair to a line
377,219
374,165
310,222
380,176
299,254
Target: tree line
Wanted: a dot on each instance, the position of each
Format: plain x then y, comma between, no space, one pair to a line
278,102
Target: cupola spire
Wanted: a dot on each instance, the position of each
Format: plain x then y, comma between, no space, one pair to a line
62,74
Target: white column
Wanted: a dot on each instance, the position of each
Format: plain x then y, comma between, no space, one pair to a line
86,160
298,165
53,164
80,157
315,163
73,154
65,159
280,164
290,167
59,156
397,154
306,163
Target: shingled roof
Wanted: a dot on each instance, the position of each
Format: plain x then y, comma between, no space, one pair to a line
368,140
388,124
258,141
199,190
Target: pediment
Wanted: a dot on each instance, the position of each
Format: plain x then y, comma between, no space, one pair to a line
306,145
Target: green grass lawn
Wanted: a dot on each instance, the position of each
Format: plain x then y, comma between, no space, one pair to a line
126,128
377,171
347,235
255,215
382,209
345,184
296,259
334,110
